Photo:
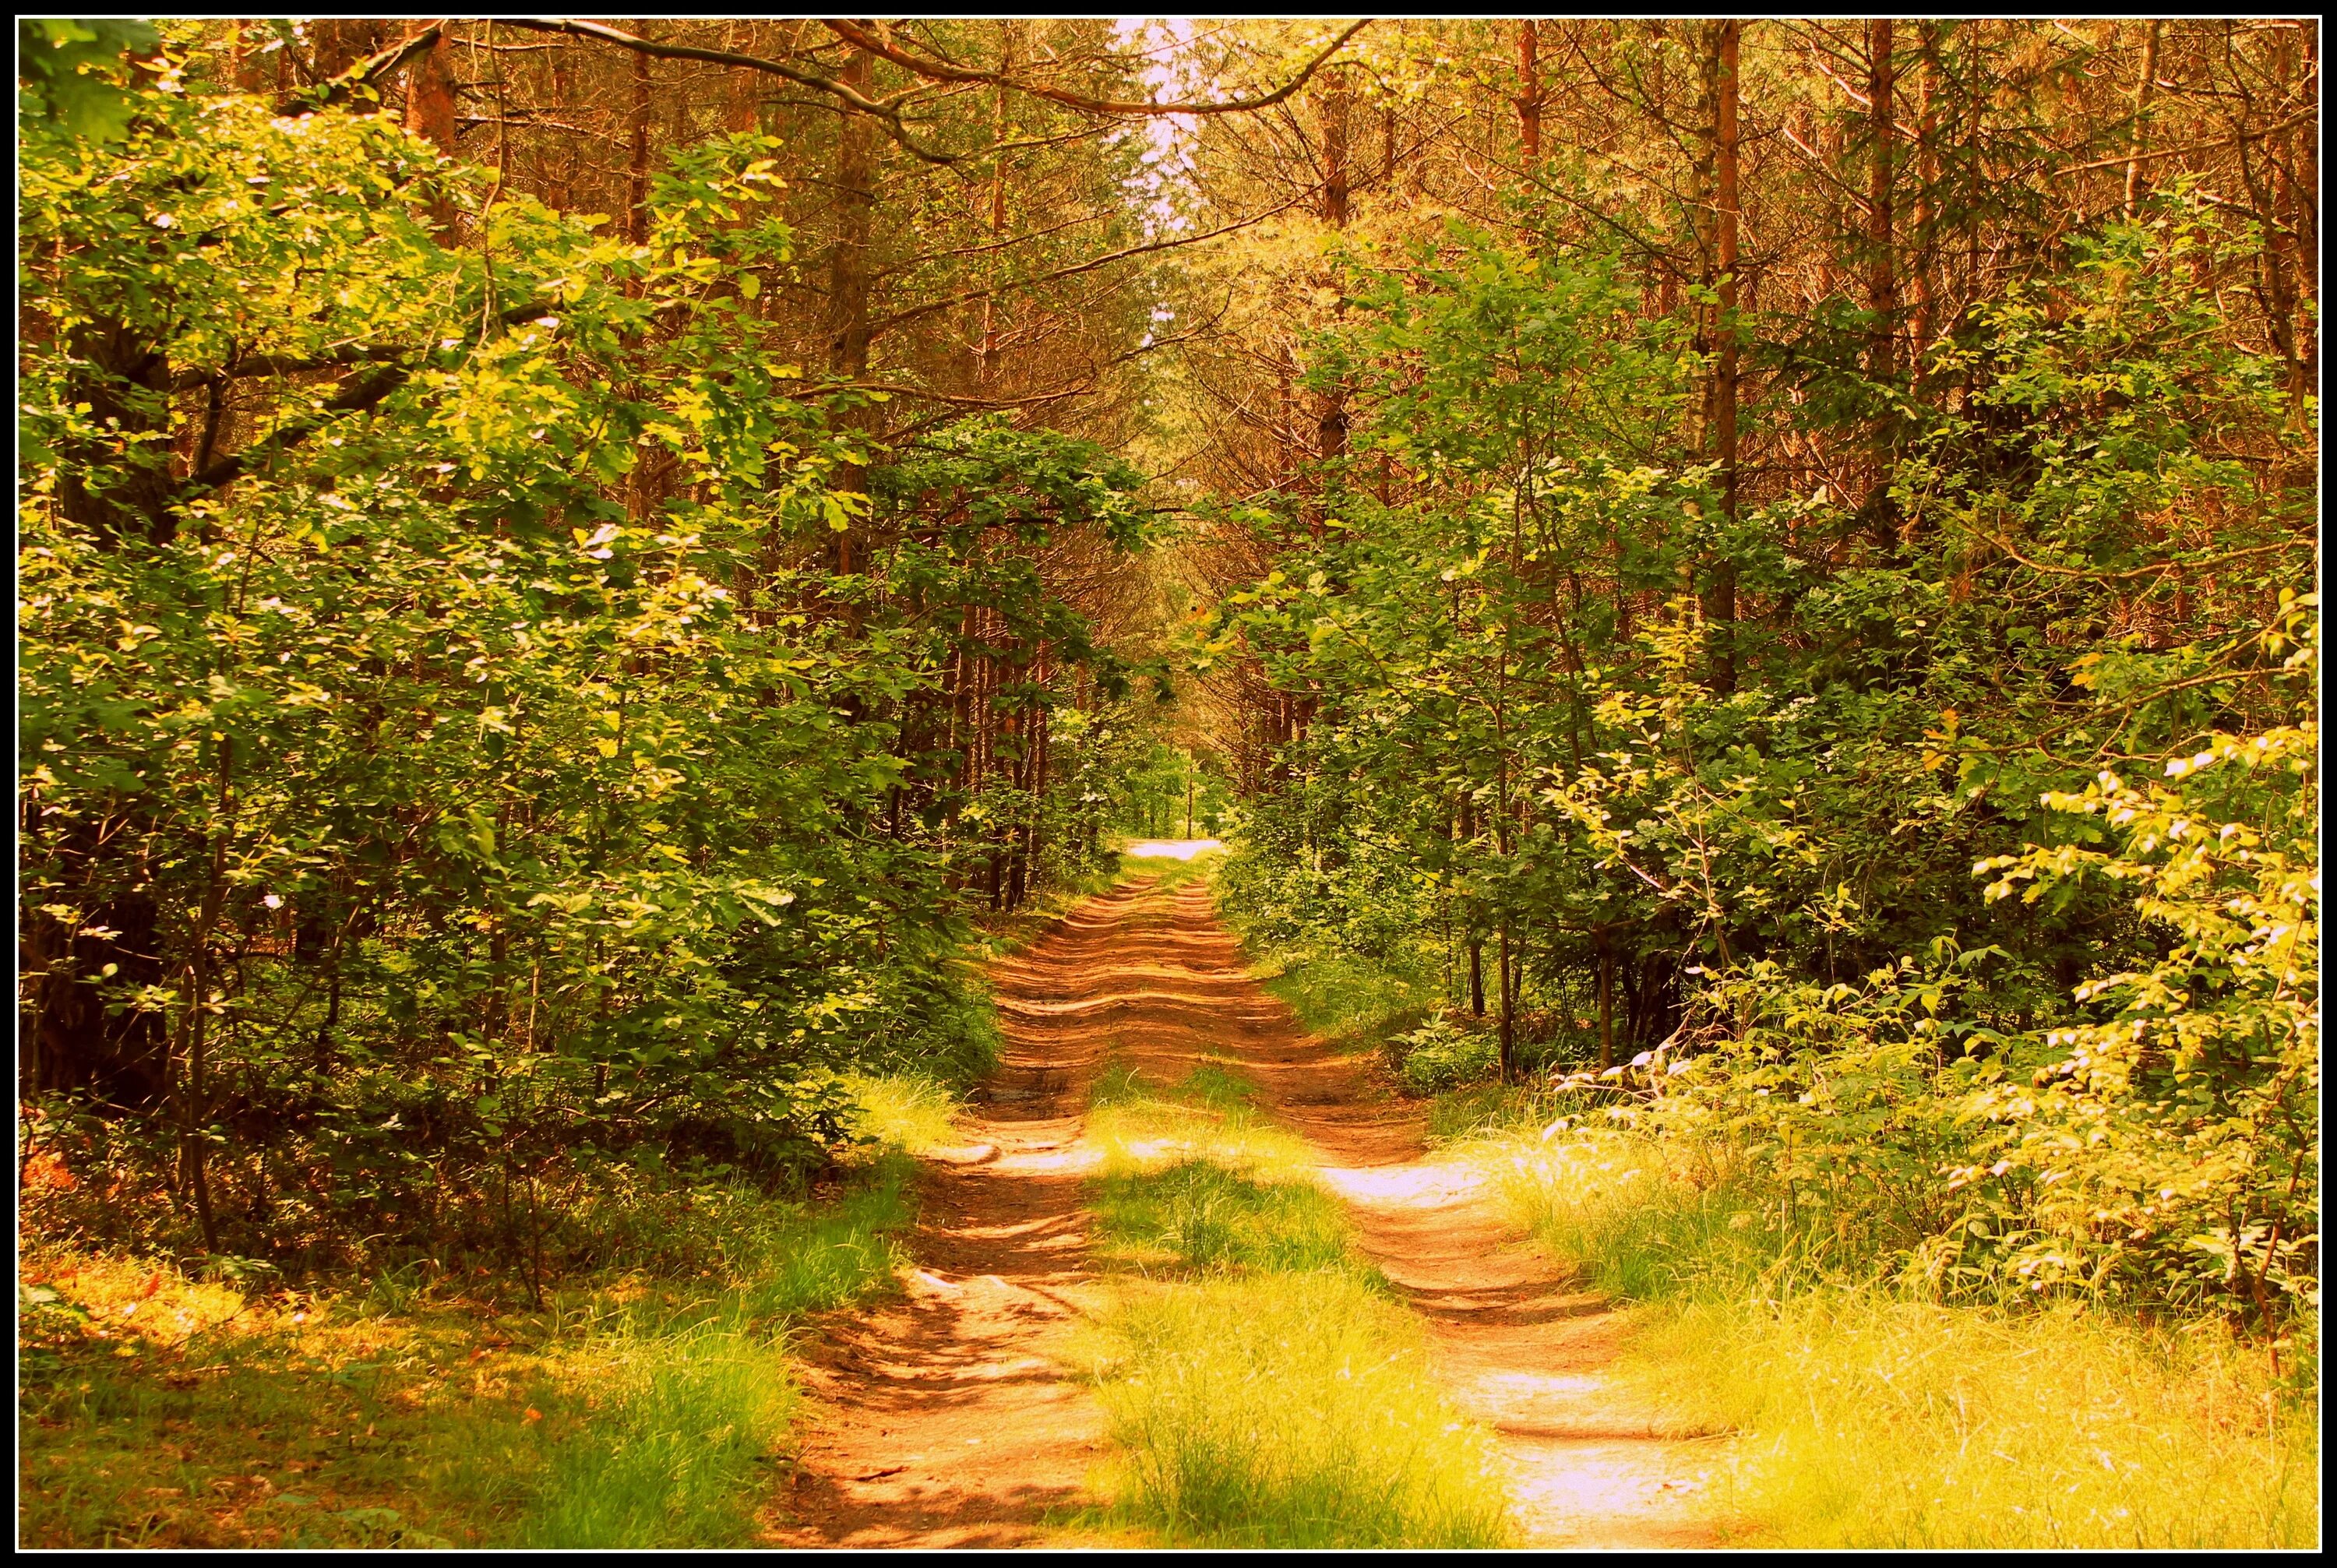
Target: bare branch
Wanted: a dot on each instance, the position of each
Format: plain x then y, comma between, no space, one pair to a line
380,68
898,317
938,71
889,113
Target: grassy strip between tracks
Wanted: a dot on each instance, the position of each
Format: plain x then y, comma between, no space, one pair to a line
646,1407
1263,1388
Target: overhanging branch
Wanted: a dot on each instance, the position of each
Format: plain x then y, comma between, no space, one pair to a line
880,109
941,71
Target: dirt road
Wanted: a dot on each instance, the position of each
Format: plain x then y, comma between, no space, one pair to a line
943,1420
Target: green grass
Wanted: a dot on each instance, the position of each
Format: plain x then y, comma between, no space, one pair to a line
1172,872
1871,1416
1263,1388
636,1408
1879,1422
1198,1215
1352,1004
1477,1110
674,1453
1196,1179
906,1111
1009,931
1144,1126
1289,1410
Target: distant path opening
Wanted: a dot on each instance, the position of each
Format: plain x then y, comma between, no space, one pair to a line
1171,848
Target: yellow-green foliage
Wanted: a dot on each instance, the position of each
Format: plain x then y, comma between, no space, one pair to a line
1877,1422
1289,1410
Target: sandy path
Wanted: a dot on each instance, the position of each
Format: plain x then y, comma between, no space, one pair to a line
943,1421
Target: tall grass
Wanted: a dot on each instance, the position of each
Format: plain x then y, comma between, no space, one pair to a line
1352,1002
1195,1179
1169,873
1875,1415
1290,1410
906,1110
671,1454
1196,1215
1274,1397
690,1398
1874,1421
632,1409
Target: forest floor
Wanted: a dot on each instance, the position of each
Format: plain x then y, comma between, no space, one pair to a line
953,1417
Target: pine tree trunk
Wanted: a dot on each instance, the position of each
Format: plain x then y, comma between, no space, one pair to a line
1528,98
1720,593
637,163
1882,277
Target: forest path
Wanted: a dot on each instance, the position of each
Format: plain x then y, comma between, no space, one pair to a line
1518,1344
943,1420
946,1422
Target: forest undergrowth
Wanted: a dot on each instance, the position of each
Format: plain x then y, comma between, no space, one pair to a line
1871,1411
644,1398
643,1405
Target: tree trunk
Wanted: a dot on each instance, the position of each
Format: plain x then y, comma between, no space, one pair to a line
1606,1004
986,355
1720,594
637,165
1509,1023
1331,425
1882,277
430,115
2146,88
847,273
1927,179
1476,941
341,41
1528,98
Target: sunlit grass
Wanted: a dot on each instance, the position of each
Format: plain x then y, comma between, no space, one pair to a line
1877,1422
1172,872
1480,1110
680,1430
1273,1395
1194,1178
632,1408
1288,1410
1351,1003
904,1110
1872,1417
1141,1126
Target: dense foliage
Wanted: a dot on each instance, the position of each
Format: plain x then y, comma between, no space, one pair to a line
1709,794
559,565
489,720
